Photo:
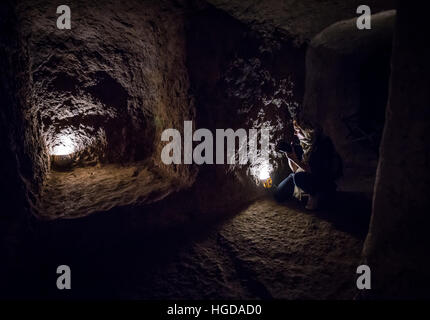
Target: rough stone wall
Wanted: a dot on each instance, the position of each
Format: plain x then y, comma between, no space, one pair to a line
240,79
21,138
113,82
397,245
22,164
335,62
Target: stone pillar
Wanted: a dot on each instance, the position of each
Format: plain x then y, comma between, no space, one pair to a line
397,248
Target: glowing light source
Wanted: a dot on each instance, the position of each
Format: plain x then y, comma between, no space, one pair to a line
264,172
64,146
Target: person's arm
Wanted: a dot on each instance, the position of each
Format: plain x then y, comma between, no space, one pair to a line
292,157
294,167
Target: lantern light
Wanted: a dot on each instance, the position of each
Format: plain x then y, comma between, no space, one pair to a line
264,172
62,153
64,147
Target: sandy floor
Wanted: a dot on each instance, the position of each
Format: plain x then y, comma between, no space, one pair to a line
266,250
83,191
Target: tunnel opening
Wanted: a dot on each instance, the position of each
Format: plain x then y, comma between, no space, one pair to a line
98,108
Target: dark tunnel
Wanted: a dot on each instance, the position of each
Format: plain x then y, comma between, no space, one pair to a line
83,181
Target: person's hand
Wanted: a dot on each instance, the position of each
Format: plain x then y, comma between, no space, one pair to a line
292,155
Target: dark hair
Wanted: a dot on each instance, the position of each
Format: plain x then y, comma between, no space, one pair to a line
306,124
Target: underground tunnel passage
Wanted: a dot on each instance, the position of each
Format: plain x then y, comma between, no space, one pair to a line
85,183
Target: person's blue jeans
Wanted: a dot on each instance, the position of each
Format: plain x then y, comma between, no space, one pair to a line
306,181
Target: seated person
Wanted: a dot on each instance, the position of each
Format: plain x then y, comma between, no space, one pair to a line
315,166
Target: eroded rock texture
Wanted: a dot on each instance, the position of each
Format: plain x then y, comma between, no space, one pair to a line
104,91
241,79
21,154
112,82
